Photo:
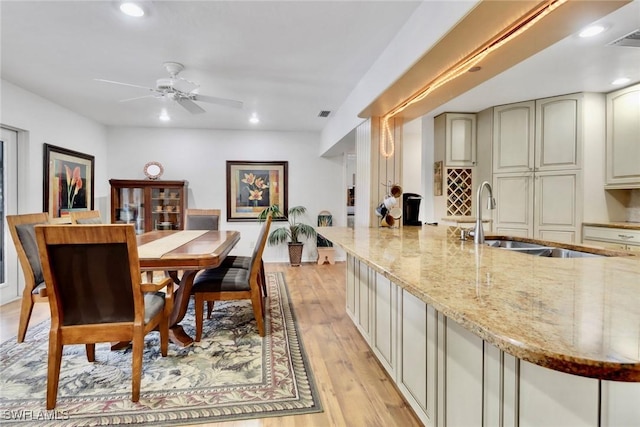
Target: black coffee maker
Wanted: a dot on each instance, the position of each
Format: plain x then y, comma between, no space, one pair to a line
411,208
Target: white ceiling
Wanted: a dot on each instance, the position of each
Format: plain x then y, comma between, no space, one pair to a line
286,60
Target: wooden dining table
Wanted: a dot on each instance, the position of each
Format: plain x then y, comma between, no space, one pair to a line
182,254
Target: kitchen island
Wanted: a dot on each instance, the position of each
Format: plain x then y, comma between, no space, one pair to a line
475,335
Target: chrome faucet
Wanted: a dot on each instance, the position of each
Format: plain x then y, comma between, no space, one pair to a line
478,232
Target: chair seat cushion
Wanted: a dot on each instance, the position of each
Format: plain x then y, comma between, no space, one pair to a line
237,262
38,288
222,279
153,304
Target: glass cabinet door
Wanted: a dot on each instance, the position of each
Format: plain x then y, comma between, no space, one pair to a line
149,204
130,209
165,205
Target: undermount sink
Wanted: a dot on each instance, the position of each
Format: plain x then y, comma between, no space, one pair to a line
539,250
569,253
511,244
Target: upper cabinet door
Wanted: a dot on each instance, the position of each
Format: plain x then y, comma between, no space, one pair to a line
623,138
559,133
460,139
513,137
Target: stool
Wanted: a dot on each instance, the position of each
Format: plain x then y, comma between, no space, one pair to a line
326,256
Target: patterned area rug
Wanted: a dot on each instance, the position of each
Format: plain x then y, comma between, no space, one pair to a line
231,374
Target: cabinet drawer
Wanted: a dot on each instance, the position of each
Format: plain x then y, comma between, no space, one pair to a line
615,235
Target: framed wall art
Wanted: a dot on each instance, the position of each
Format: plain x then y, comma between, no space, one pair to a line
254,186
68,181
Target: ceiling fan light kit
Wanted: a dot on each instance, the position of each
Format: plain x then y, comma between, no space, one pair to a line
131,9
178,89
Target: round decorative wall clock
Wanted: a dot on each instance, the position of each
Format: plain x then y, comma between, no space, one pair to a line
153,170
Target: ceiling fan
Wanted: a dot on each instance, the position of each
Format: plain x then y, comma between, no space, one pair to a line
178,89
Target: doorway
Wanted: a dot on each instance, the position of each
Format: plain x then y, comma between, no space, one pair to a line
8,206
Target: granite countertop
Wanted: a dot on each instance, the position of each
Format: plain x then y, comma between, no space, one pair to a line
460,219
576,315
626,225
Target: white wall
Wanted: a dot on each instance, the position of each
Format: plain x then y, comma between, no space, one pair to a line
195,155
412,162
200,156
46,122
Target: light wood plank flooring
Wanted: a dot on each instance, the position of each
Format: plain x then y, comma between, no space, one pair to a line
353,387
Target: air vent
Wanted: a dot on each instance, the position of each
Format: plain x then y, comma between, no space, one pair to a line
632,39
324,113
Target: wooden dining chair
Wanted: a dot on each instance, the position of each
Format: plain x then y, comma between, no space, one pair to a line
21,228
85,217
202,219
92,275
209,219
221,284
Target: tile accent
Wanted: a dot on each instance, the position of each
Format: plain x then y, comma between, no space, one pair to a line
633,210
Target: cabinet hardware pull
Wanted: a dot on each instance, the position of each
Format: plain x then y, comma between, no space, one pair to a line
625,236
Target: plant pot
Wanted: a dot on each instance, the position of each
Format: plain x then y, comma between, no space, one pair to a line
295,254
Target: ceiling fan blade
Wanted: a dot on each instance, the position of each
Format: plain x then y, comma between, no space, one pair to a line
138,97
125,84
216,100
190,106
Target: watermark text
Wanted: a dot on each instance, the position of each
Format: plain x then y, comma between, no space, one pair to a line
33,415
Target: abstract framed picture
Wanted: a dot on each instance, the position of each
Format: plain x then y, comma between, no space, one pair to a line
68,181
254,186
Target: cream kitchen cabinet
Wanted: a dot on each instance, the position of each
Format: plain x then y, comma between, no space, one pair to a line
365,283
611,237
417,369
452,377
558,142
514,194
537,165
513,137
558,205
546,205
385,319
459,133
623,138
540,135
460,139
352,265
456,146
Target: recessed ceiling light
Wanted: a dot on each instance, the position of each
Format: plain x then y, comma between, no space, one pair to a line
591,31
254,119
164,116
620,81
132,9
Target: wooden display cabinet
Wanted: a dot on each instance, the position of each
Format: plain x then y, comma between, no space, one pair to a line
149,205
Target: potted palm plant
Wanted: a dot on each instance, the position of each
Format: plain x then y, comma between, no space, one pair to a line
292,233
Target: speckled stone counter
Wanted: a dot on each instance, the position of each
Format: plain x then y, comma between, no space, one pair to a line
625,225
576,315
